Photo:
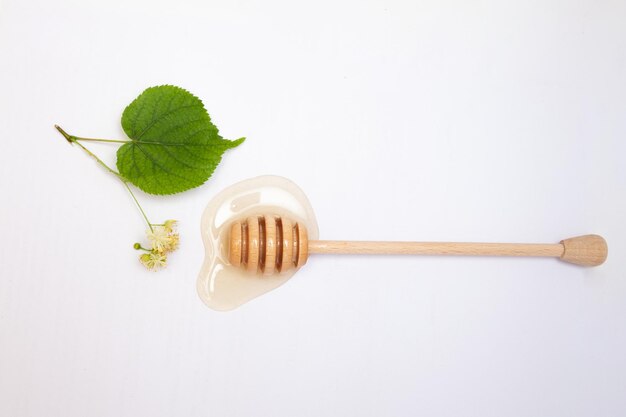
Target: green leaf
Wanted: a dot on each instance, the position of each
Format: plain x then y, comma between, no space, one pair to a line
174,146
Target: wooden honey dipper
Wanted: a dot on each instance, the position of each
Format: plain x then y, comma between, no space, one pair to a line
272,244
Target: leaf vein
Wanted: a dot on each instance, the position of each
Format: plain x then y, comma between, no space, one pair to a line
154,121
156,163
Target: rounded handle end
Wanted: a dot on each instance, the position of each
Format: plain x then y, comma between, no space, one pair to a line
586,250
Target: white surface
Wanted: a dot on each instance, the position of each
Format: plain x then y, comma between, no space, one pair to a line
433,120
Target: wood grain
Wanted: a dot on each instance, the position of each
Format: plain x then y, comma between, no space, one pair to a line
435,248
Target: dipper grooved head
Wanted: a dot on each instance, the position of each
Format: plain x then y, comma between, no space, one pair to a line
268,244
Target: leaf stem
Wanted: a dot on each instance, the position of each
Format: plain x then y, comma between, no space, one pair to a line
137,202
102,140
117,174
64,133
73,139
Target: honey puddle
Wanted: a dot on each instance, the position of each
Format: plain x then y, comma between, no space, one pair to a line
222,286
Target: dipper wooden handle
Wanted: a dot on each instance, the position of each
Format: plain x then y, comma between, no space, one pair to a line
271,244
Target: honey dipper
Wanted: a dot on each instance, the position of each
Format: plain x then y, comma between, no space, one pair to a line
271,244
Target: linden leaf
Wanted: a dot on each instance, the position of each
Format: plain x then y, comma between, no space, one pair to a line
174,146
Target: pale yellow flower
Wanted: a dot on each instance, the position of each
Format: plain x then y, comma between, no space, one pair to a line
173,242
164,238
153,260
159,238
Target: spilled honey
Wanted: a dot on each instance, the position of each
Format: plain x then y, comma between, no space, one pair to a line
222,286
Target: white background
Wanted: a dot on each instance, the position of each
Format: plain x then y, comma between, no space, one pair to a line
453,120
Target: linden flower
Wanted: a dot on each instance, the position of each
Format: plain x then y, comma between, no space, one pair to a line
173,242
164,238
153,260
159,238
